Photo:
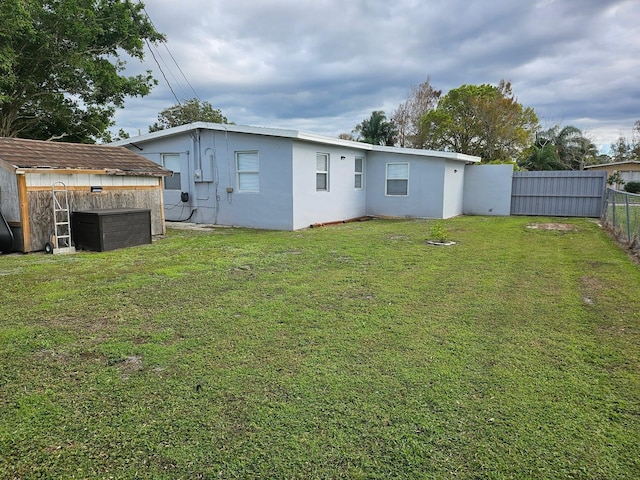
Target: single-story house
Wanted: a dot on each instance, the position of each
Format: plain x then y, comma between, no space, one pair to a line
629,171
286,180
93,177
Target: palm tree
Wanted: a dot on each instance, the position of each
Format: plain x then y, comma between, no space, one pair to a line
560,149
542,157
377,130
567,142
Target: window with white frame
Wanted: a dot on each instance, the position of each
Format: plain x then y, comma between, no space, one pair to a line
359,174
397,179
248,171
171,161
322,172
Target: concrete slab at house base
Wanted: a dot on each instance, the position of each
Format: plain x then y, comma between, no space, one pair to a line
194,226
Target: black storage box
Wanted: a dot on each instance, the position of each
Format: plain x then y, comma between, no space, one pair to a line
108,229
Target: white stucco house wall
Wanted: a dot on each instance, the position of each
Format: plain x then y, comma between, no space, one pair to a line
286,180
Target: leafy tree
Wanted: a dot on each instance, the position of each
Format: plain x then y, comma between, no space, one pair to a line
624,149
615,180
60,65
408,115
560,149
346,136
482,120
109,137
621,151
377,130
190,111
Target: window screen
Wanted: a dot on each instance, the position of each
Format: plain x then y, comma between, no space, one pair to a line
358,173
172,162
322,171
397,178
248,171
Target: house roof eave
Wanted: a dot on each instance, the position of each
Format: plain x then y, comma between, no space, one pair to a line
294,135
612,164
462,157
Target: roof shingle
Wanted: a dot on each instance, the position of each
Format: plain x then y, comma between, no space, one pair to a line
23,153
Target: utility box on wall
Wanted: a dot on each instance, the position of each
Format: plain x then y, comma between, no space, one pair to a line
109,229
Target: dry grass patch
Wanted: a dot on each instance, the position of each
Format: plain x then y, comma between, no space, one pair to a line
560,227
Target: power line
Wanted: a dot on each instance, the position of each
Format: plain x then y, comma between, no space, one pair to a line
157,54
162,71
182,90
180,70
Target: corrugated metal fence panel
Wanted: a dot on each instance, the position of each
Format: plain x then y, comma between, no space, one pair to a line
558,193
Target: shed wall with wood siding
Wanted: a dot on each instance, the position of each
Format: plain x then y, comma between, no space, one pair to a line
131,192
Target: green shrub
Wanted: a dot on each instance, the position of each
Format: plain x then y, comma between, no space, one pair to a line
632,187
615,179
438,233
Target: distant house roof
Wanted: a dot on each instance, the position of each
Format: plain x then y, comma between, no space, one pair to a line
36,154
293,134
612,164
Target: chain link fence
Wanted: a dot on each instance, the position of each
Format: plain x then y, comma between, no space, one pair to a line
621,215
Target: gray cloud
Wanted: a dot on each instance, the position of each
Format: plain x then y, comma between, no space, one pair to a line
323,66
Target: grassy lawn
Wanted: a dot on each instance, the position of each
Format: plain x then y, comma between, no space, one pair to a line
353,351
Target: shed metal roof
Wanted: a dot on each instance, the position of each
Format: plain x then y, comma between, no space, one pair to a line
21,153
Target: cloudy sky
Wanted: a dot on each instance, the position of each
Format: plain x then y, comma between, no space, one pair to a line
323,66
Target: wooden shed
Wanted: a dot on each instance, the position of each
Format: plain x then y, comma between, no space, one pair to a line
94,177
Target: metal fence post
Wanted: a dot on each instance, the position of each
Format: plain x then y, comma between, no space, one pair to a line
613,194
626,199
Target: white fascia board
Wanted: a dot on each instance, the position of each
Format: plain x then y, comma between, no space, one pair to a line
309,137
153,135
266,131
312,137
428,153
272,132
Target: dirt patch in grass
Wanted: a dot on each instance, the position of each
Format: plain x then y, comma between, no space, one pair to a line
562,227
130,365
590,284
590,287
397,237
